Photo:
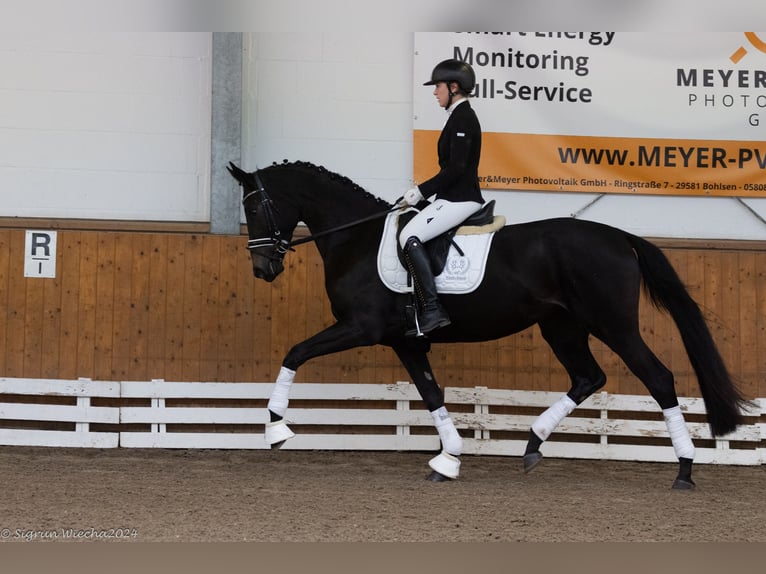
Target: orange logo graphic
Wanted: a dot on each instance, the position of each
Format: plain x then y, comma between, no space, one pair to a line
757,43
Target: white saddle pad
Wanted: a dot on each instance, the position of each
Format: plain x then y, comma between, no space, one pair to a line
462,273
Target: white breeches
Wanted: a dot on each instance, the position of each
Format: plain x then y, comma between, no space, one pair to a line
439,216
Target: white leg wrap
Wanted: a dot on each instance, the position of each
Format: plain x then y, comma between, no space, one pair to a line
279,396
679,433
446,464
550,419
451,439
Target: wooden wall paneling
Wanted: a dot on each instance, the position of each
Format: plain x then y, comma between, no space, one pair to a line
51,339
491,358
746,318
86,304
33,325
174,305
760,324
730,340
488,355
363,368
506,363
525,359
263,341
716,310
487,367
252,331
16,307
471,367
210,307
124,261
713,299
448,362
192,308
139,308
104,343
68,269
543,362
157,320
228,303
187,307
388,368
5,250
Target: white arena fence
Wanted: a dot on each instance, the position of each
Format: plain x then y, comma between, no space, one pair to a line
191,415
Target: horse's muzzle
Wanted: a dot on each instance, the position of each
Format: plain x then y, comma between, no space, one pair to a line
269,272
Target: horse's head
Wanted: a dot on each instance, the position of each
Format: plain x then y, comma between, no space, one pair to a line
268,237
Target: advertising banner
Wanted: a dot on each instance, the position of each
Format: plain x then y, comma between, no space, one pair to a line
610,112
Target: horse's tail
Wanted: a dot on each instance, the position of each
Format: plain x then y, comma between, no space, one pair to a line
723,401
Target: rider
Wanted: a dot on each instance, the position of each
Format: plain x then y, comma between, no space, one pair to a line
456,186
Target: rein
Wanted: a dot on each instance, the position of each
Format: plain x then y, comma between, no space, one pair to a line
314,237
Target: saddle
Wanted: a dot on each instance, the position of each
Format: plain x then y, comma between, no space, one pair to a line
438,247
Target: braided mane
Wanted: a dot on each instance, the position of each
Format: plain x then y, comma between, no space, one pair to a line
332,176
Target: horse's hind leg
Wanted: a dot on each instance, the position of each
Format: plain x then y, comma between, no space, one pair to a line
446,465
569,342
659,380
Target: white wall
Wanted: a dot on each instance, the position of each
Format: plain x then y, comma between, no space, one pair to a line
117,126
105,125
344,100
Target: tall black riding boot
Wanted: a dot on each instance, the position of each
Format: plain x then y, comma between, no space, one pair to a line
431,314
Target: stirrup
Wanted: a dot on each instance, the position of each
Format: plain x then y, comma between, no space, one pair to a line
419,331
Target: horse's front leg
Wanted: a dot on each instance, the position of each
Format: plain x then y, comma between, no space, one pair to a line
277,431
446,465
336,338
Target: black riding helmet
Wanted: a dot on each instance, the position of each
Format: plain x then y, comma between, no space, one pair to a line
454,71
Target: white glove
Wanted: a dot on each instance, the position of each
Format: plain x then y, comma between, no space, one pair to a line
413,196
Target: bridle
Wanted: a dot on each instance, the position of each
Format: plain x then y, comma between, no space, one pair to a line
279,245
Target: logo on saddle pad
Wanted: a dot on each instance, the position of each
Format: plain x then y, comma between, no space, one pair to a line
461,274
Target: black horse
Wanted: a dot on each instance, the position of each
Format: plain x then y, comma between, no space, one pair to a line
573,278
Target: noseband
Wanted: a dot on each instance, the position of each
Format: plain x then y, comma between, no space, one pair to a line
279,246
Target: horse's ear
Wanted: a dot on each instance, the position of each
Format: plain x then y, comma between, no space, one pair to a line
237,173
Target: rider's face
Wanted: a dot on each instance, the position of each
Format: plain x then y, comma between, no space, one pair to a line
442,92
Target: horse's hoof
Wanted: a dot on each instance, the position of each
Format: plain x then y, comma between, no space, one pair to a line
445,464
531,460
276,433
681,484
437,477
